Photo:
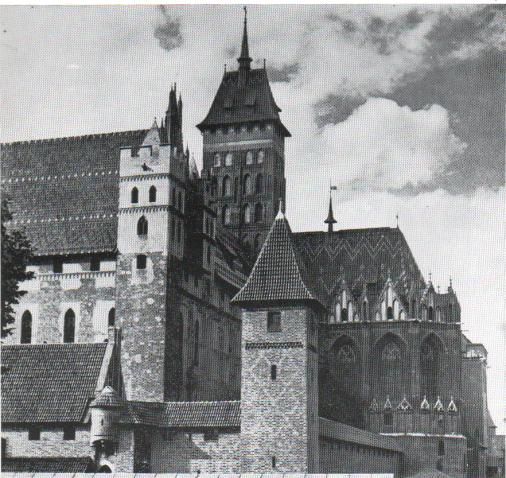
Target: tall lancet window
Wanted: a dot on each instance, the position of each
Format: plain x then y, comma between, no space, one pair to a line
69,326
429,367
26,327
390,373
142,226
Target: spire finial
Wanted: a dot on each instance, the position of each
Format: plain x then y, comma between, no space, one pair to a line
245,60
330,221
280,214
397,220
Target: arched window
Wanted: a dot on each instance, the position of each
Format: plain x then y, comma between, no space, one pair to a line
142,226
229,159
261,156
249,157
226,186
112,317
217,160
26,327
69,327
365,311
247,184
345,367
152,194
390,376
196,344
429,367
441,448
450,313
104,469
430,315
259,183
226,215
246,215
344,315
256,244
438,314
390,313
134,197
259,212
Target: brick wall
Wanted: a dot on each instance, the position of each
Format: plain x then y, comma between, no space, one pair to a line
190,452
276,433
422,452
51,442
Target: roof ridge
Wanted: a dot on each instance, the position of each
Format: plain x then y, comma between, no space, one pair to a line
185,401
64,138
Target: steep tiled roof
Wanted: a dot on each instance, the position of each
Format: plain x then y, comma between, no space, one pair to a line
49,382
279,273
64,191
246,101
359,256
25,464
224,414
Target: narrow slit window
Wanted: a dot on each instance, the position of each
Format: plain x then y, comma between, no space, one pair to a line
274,372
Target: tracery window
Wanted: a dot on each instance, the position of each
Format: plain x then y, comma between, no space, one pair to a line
346,354
429,366
390,373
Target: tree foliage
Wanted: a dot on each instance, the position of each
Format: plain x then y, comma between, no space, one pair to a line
16,253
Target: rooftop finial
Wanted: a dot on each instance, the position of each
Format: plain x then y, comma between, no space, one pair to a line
245,60
281,213
330,221
397,220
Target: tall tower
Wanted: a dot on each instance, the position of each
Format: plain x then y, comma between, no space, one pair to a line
151,229
244,151
279,382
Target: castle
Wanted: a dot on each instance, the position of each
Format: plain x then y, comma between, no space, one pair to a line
175,323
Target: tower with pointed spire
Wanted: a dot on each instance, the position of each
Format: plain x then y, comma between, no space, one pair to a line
330,221
244,151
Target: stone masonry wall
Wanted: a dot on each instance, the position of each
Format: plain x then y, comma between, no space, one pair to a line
51,442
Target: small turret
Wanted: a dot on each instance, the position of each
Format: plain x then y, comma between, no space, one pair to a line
105,412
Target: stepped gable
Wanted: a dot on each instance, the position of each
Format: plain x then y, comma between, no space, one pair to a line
49,382
64,192
359,256
247,101
279,273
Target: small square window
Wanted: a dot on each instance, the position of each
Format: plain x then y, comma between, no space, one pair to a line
57,266
34,433
69,433
274,321
94,264
141,261
211,435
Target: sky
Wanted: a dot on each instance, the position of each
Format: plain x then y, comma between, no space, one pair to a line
400,107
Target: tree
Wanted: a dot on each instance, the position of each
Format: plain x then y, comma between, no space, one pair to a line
16,253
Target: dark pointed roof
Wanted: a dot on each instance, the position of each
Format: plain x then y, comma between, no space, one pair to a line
279,273
245,60
330,218
245,101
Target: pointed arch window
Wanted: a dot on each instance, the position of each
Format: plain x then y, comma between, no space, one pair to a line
249,157
69,327
365,310
390,313
226,186
430,314
247,185
259,183
142,226
152,194
259,212
26,327
246,216
261,156
226,215
217,160
229,158
450,313
134,196
429,368
111,319
390,378
344,314
345,367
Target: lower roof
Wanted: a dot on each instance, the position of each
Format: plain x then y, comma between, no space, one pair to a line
81,464
49,383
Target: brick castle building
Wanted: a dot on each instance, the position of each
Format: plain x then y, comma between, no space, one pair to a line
175,323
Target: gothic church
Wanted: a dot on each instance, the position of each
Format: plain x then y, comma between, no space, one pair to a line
175,323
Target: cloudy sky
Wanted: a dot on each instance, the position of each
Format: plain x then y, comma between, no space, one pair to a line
401,107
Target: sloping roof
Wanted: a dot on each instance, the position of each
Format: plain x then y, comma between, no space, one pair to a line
49,382
224,414
47,465
238,101
359,256
430,474
64,191
279,273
